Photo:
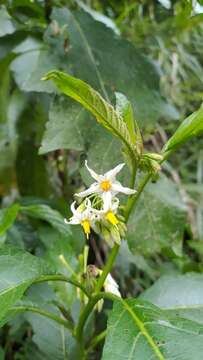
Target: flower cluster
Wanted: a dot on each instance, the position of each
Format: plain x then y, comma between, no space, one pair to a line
99,210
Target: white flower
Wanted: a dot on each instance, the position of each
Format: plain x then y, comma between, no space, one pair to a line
110,285
106,185
83,215
108,212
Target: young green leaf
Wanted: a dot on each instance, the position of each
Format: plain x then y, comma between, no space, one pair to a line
124,106
191,126
93,101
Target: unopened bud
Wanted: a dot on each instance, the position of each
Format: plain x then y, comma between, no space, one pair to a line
115,234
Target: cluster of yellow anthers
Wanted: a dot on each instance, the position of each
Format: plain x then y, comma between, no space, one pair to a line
100,205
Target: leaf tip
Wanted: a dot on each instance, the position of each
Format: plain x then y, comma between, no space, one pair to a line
50,75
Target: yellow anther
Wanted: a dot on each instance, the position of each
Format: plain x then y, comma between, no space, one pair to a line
111,218
86,227
105,185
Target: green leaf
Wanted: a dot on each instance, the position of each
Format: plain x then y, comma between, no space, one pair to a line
191,126
57,244
139,330
105,57
92,101
28,67
47,331
69,35
180,293
158,220
71,127
64,130
7,24
45,212
32,173
18,270
124,106
7,217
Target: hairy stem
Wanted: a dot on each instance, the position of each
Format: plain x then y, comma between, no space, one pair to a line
64,278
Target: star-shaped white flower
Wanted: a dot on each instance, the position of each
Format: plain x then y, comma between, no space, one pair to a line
106,185
108,212
110,285
83,215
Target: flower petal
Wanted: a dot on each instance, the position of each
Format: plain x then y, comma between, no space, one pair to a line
114,204
92,172
107,197
117,187
73,209
72,221
111,286
94,188
113,172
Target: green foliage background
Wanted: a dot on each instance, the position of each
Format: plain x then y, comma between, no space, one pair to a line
151,51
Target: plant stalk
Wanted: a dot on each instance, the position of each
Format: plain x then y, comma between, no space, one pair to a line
47,314
88,309
64,278
96,340
107,268
134,198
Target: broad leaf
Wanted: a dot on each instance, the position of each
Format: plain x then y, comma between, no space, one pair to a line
93,101
18,270
45,212
50,337
66,126
7,23
71,127
139,330
158,219
57,244
32,172
111,63
7,217
180,293
31,62
191,126
69,35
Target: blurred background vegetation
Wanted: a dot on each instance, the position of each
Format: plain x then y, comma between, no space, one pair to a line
152,51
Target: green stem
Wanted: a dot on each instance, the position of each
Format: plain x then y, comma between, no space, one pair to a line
47,314
107,268
94,299
96,340
133,176
88,309
60,277
135,197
